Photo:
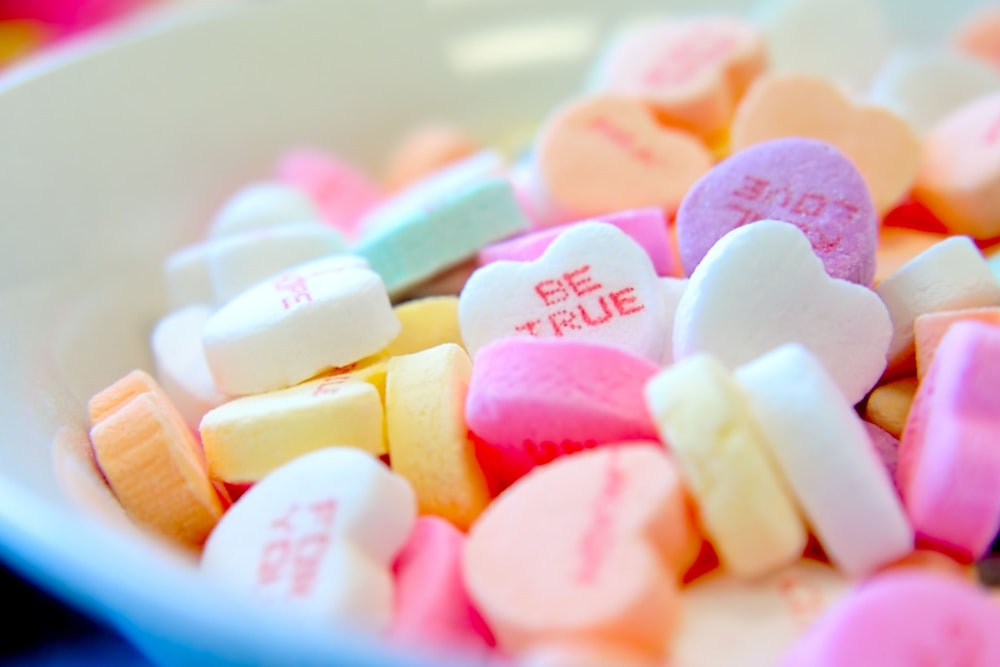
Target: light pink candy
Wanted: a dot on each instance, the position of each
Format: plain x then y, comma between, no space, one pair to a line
342,192
949,455
433,609
532,400
905,619
646,226
887,447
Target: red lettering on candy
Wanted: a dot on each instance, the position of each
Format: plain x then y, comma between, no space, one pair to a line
686,57
330,385
622,139
552,291
562,320
624,301
295,551
581,281
596,540
296,286
530,327
592,321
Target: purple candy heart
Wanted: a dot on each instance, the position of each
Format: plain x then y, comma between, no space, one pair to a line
805,182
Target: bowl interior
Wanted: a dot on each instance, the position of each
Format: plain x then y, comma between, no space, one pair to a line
115,153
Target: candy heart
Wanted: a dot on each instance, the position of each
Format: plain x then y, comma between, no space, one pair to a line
691,71
593,283
879,143
588,547
607,154
263,205
761,286
317,537
805,182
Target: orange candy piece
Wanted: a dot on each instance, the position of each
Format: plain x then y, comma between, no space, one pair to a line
930,328
606,154
979,35
888,406
880,144
425,150
691,71
589,548
959,180
897,246
151,460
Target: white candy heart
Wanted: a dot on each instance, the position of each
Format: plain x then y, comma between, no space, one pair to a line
262,205
593,283
761,286
318,536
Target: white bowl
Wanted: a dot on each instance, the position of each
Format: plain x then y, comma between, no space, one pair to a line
113,153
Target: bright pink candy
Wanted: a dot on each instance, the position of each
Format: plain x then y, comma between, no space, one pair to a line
532,400
949,455
805,182
433,609
342,193
646,226
905,619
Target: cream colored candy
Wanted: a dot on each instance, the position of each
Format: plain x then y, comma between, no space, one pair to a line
744,507
959,180
262,205
320,315
889,405
759,620
761,285
950,275
824,452
249,437
429,442
845,41
317,538
691,71
426,323
151,460
880,144
673,290
608,153
180,363
930,328
925,86
589,547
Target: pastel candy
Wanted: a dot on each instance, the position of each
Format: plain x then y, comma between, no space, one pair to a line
320,315
949,465
886,445
152,462
598,540
808,36
250,436
805,182
889,404
761,286
531,401
317,537
691,71
672,290
930,328
239,261
897,246
425,150
645,226
904,618
180,363
880,144
446,283
185,272
925,86
593,283
429,441
261,205
432,607
341,192
822,448
425,323
744,507
948,276
977,35
583,654
608,153
959,179
759,619
421,243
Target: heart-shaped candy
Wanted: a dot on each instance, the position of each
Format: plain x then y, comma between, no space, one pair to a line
593,283
880,144
806,182
607,154
317,537
589,547
761,286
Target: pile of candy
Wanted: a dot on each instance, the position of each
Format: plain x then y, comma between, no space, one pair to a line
709,378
